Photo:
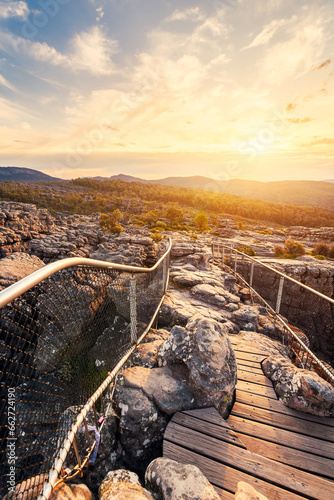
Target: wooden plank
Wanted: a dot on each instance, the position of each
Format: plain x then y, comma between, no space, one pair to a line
249,356
290,456
263,468
281,436
254,378
277,406
283,421
224,476
223,494
251,364
245,347
261,390
223,432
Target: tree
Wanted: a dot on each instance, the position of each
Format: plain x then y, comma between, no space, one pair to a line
201,222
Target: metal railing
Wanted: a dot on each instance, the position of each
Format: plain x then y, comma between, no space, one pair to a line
65,332
305,315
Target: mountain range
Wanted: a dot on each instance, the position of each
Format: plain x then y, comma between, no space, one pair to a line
302,193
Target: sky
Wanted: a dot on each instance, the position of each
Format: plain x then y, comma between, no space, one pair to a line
157,88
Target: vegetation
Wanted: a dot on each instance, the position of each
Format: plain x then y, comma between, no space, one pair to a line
323,250
247,250
148,203
111,223
290,250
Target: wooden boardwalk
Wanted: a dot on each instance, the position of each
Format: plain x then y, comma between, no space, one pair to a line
284,454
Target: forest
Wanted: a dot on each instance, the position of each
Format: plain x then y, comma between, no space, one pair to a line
86,196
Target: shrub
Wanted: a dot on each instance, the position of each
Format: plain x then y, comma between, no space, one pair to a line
321,249
247,250
279,251
161,225
201,222
320,257
293,248
116,229
265,231
156,237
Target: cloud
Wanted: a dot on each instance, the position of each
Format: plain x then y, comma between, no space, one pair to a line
10,9
192,14
6,83
88,51
291,106
319,141
323,65
300,120
99,14
266,34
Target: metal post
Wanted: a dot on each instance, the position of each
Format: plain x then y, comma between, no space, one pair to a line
164,276
133,309
251,275
223,256
235,263
279,294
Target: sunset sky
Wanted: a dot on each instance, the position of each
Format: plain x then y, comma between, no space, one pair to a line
156,88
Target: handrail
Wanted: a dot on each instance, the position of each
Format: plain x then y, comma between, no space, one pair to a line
285,276
310,356
13,291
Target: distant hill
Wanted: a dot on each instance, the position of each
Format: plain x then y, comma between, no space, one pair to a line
22,174
302,193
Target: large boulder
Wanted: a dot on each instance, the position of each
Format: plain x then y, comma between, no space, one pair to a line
171,480
143,400
122,484
205,349
300,389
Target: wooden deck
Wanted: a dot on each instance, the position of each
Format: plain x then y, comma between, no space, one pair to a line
283,453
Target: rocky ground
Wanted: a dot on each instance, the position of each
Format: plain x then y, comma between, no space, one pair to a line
188,362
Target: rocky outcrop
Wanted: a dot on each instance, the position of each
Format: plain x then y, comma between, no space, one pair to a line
315,235
65,491
122,484
204,348
170,480
16,266
143,400
19,223
246,492
300,389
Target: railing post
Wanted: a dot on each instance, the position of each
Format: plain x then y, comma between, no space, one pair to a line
279,294
133,310
164,275
223,256
235,263
251,275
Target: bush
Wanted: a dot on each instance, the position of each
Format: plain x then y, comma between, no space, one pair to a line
320,257
201,222
247,250
321,249
161,225
293,248
279,251
265,231
116,229
156,237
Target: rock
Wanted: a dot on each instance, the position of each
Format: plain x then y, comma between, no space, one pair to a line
165,386
141,426
146,354
214,295
300,389
16,266
171,480
121,485
143,400
66,491
246,492
205,349
246,317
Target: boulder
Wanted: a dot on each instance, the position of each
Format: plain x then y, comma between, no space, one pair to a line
246,317
205,349
246,492
17,266
122,484
143,400
215,295
300,389
167,479
65,491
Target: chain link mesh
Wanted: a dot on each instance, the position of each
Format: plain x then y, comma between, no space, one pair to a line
58,341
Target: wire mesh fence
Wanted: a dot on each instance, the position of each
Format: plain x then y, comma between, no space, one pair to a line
308,315
58,341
